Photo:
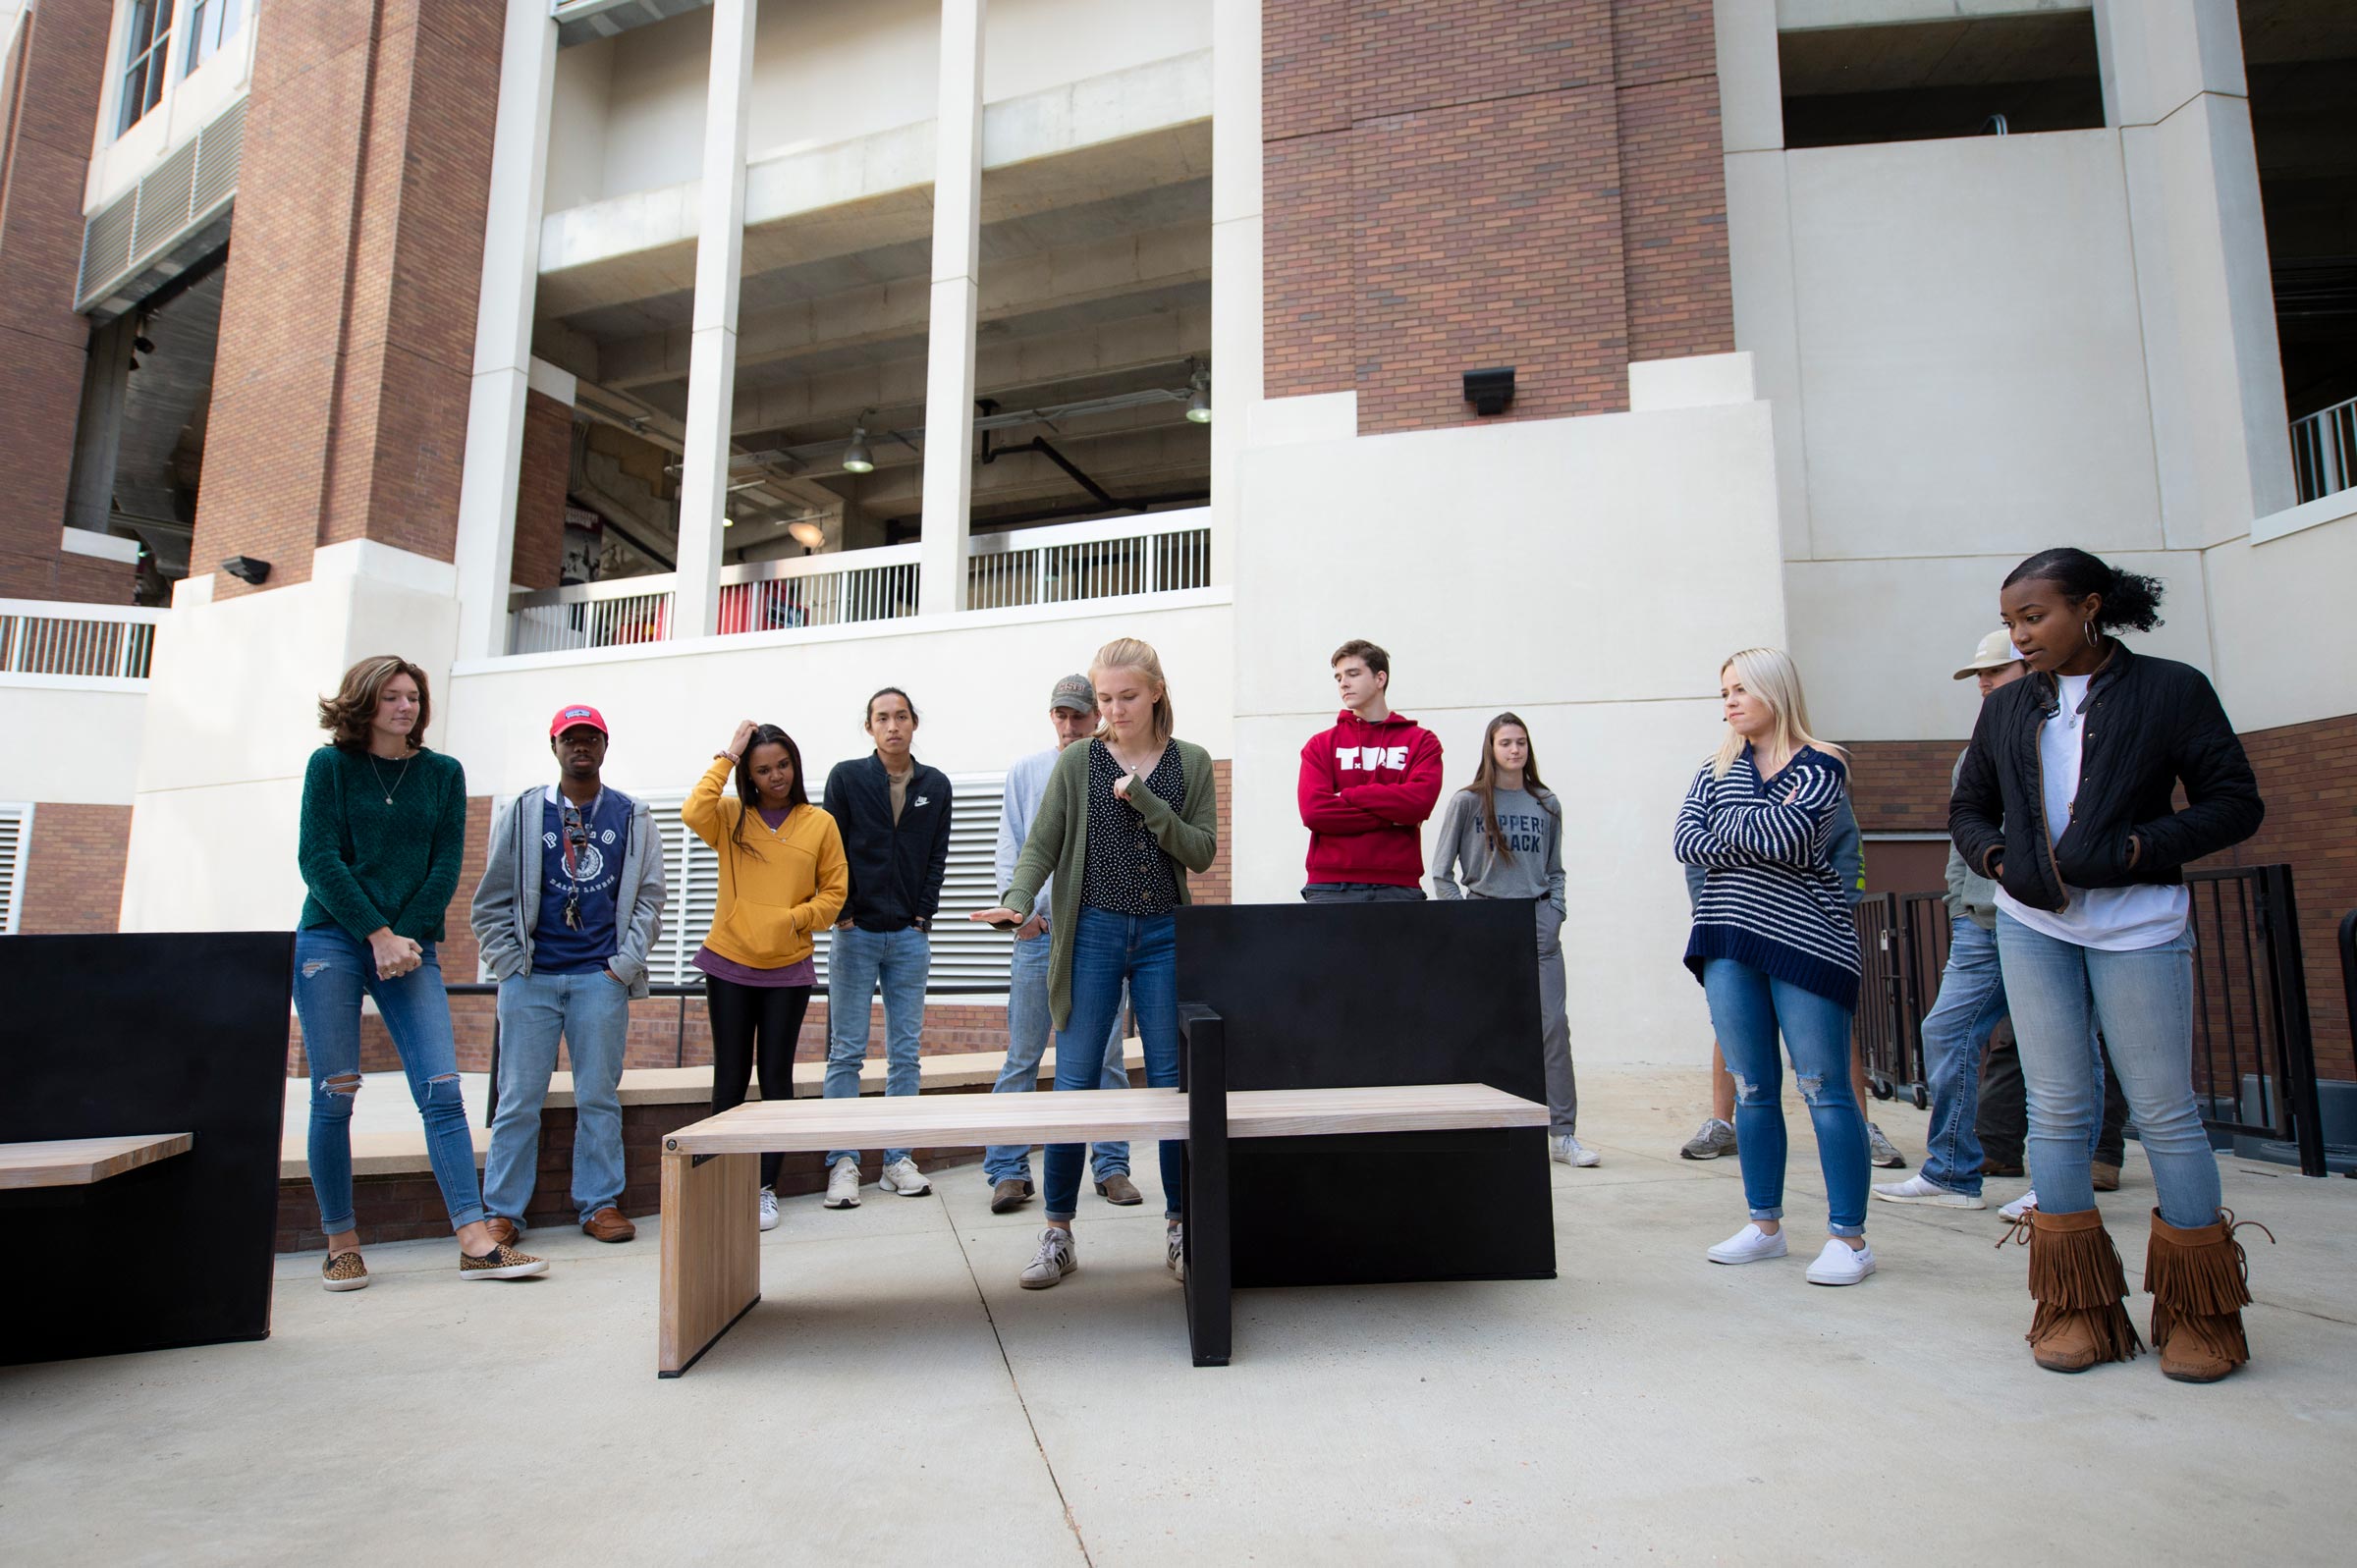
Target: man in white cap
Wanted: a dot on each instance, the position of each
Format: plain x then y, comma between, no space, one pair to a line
1972,999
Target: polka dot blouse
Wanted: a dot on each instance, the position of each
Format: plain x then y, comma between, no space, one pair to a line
1127,871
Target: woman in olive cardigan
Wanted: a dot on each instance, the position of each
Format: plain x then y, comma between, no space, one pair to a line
1126,817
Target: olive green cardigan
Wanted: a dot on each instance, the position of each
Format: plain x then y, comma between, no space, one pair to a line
1058,846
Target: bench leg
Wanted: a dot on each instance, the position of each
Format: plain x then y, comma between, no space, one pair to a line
711,1253
1209,1317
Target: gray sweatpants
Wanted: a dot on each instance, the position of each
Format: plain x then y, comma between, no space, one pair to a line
1555,1032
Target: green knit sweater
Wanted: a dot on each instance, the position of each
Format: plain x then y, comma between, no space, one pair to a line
1058,846
369,863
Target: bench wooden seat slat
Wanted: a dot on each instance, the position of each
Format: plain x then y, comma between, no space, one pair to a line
81,1161
951,1122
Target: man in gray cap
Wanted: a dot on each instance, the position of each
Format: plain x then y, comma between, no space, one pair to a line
1073,710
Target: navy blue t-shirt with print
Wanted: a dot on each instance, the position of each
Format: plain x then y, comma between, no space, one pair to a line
590,879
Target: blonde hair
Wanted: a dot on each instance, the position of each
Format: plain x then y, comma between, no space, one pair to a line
1129,653
1770,673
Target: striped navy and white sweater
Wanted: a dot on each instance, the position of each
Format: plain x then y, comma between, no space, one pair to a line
1771,899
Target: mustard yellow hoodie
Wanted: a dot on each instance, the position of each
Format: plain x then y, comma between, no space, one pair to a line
778,887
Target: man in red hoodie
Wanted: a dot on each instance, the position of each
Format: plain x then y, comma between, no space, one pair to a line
1368,784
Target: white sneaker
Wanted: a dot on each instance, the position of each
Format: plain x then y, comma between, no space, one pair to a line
1841,1264
2020,1206
1056,1258
902,1176
1566,1150
1922,1189
842,1185
769,1209
1751,1244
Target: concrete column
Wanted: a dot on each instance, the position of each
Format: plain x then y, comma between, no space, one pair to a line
502,330
957,306
712,339
98,431
2173,84
1236,263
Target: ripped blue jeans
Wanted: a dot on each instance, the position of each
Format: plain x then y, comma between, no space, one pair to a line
333,969
1748,1009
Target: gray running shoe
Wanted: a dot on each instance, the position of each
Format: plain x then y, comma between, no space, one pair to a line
1054,1259
1715,1139
1881,1150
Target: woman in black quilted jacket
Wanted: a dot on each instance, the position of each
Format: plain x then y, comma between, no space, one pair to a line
2065,798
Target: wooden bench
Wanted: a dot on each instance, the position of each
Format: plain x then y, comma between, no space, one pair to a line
711,1251
85,1162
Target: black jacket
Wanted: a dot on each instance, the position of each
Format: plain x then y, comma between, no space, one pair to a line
2151,723
896,867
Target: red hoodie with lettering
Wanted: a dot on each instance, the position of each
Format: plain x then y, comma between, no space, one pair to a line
1366,790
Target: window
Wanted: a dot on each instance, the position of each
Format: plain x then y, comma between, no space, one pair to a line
1924,81
147,50
211,24
16,830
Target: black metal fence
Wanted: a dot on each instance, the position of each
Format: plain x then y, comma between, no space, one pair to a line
2254,1059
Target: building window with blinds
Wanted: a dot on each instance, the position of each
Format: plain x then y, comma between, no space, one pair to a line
147,57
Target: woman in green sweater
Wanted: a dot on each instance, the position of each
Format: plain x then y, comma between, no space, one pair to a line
384,825
1126,817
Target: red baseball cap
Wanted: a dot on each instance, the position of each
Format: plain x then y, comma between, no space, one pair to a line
577,714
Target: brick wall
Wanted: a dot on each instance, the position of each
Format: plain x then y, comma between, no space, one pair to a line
2308,778
1454,184
73,875
349,319
664,1034
47,114
540,488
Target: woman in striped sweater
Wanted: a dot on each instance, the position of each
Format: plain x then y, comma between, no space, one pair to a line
1775,951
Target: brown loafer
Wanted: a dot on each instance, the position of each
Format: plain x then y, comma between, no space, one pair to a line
1010,1193
504,1231
608,1224
2107,1177
1119,1188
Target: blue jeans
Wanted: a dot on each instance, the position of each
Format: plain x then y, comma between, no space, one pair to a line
592,1012
2143,1002
857,962
1027,1042
333,969
1971,1004
1359,893
1108,950
1748,1009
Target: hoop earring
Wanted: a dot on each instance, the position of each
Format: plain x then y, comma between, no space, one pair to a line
2088,626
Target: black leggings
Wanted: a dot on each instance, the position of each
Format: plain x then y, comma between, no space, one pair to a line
749,1024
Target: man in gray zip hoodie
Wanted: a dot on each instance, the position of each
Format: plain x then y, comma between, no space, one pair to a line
569,904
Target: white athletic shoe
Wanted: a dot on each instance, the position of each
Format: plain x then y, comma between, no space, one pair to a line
1922,1189
1749,1245
902,1176
2020,1206
842,1185
1841,1264
1174,1242
769,1209
1567,1150
1056,1258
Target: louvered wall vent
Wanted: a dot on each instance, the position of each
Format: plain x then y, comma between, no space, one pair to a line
187,189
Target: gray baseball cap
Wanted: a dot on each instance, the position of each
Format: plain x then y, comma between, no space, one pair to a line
1074,693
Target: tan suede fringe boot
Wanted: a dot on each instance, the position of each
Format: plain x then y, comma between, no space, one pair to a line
2198,1281
2080,1286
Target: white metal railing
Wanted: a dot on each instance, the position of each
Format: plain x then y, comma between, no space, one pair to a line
2324,451
42,637
831,590
591,615
1158,553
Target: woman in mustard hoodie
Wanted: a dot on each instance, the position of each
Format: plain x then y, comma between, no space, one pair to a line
781,877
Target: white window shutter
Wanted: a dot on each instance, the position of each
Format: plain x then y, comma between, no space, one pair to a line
16,841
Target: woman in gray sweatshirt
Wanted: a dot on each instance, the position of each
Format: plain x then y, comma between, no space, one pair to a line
1503,838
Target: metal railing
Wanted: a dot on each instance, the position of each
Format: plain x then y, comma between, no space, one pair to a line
2324,451
1903,945
40,637
2254,1060
1159,553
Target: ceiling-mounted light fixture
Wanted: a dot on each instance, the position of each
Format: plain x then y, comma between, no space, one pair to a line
806,534
856,458
1198,402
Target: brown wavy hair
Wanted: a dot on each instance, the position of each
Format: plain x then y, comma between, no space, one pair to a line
346,715
1484,786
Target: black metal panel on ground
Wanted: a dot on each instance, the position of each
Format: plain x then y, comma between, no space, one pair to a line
1344,995
106,1036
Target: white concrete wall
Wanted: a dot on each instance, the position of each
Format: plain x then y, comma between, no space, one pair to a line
2285,643
981,683
70,739
630,110
1587,574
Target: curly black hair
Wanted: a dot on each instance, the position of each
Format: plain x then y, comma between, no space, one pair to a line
2132,603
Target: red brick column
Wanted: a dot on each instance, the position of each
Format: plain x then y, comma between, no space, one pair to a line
51,98
347,322
547,473
73,875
